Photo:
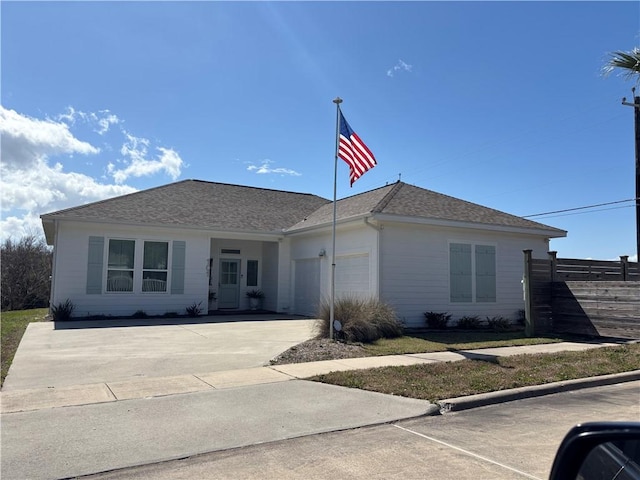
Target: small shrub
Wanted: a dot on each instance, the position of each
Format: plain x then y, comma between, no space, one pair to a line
469,322
437,319
195,309
255,294
140,314
498,324
170,315
521,316
63,311
362,320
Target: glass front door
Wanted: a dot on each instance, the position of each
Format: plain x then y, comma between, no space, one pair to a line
229,288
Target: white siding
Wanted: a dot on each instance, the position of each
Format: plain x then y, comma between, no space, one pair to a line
70,276
269,273
307,286
352,276
415,270
355,243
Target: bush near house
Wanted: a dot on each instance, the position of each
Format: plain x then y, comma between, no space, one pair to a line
438,320
362,320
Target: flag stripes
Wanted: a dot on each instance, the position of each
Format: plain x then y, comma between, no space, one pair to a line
354,152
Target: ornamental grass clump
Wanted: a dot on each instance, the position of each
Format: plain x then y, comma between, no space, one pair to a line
361,320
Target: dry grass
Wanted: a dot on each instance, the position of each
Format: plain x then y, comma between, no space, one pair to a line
467,377
452,340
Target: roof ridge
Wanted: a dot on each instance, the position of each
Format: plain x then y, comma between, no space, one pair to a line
256,188
388,197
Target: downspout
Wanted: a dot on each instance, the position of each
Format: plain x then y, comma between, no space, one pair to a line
378,229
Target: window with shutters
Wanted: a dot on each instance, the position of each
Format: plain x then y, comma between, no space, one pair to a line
472,273
135,266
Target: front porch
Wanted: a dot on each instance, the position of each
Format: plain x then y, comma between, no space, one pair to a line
237,266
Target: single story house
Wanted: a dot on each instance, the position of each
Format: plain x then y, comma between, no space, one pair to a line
196,242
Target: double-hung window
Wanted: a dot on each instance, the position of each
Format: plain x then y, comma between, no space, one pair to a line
155,266
120,265
472,273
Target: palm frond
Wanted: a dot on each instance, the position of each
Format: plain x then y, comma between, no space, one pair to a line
627,62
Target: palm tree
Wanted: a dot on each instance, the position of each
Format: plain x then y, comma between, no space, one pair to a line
628,62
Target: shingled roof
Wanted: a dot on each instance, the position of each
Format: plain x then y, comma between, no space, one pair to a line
195,203
221,206
406,200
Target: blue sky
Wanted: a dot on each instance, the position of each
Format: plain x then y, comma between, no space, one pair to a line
499,103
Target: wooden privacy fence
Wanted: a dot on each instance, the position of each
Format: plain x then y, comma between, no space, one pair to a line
589,297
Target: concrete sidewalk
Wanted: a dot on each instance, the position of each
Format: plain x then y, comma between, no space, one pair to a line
118,424
74,395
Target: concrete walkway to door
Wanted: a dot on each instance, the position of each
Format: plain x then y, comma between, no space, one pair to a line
86,352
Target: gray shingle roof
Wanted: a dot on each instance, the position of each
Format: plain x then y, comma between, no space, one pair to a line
221,206
202,204
409,201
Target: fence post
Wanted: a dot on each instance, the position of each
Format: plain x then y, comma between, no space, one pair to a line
624,266
553,258
529,326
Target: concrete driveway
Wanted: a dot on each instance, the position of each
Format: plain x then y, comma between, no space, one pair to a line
80,353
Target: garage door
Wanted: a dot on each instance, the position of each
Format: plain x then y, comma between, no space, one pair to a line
307,286
352,276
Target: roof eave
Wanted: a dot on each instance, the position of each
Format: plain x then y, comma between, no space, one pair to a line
218,231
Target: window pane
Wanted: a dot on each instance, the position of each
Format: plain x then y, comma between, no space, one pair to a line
121,253
252,273
156,255
119,281
154,281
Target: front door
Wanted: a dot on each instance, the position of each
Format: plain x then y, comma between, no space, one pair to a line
229,288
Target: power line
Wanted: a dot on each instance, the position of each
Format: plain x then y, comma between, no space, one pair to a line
580,208
590,211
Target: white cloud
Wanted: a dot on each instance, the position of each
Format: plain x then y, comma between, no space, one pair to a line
44,188
399,66
136,150
26,140
100,121
29,184
33,179
264,168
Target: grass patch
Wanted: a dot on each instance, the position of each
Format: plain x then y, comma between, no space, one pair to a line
452,340
439,381
12,328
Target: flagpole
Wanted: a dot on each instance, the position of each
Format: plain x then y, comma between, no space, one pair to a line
337,101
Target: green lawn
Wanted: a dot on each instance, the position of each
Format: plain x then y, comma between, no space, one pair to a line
13,325
439,381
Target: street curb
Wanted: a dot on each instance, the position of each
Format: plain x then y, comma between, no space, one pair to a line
473,401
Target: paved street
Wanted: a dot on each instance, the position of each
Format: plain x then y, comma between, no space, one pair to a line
514,440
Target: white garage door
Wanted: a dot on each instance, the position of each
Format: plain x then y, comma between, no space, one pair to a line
307,287
352,276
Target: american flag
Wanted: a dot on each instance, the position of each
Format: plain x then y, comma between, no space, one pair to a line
353,151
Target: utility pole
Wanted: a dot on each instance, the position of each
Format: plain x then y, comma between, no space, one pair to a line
636,108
